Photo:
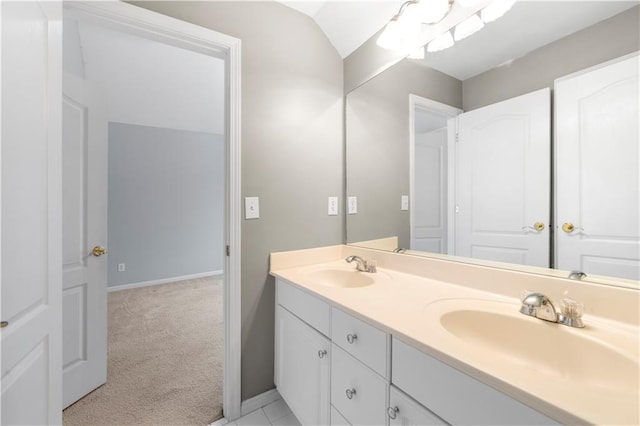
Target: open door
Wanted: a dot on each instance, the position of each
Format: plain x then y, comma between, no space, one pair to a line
503,172
84,239
31,35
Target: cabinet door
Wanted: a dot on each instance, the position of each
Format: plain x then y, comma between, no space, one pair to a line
302,368
404,411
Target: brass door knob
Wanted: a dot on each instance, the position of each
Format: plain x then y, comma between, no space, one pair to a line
538,226
98,251
568,227
3,324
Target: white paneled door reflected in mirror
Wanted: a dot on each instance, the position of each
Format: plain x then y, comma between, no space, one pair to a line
541,170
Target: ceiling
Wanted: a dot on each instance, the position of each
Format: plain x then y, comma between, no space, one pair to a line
529,25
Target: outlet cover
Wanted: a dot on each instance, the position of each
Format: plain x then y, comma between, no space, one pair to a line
122,267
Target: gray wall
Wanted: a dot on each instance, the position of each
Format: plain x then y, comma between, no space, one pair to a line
598,43
378,146
166,203
292,150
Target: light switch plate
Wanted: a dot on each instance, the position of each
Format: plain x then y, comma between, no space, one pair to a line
332,209
404,202
251,208
353,205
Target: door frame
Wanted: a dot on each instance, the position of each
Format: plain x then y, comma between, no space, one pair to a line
128,18
420,103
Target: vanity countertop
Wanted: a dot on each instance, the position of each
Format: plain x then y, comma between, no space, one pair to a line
405,301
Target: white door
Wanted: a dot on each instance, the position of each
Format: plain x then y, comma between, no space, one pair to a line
430,196
84,226
597,177
31,213
503,158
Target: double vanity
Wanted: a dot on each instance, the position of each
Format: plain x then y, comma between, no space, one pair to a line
390,338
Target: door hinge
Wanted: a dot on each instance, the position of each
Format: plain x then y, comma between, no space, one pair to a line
228,251
457,137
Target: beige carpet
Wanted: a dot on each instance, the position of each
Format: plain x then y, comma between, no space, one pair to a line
165,355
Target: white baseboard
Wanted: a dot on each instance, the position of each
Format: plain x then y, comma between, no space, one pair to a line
163,281
259,401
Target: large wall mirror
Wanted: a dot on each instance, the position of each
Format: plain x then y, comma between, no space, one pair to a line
434,146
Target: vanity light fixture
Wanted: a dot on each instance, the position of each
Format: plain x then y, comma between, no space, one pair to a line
402,32
467,27
443,41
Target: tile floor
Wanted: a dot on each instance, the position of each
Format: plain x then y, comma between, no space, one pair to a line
276,413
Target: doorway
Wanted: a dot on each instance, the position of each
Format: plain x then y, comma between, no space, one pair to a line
432,155
154,28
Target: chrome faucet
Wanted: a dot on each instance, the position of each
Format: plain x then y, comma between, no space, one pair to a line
538,305
362,265
576,275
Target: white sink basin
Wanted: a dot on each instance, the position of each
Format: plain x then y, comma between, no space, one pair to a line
547,349
338,277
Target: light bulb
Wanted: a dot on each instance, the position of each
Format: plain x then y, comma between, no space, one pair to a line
391,38
443,41
467,27
495,10
432,11
417,53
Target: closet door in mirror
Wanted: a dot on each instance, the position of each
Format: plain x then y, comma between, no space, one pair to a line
596,173
503,171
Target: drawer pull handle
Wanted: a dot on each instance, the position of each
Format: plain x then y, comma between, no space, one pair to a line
352,338
322,353
392,412
350,393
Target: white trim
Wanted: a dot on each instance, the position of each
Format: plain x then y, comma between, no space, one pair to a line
418,102
259,401
132,19
163,281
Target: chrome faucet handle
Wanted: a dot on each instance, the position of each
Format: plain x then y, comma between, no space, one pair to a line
571,313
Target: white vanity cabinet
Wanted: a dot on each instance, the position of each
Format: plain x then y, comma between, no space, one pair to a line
303,354
454,396
333,368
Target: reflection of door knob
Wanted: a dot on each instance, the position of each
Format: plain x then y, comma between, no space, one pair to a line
569,227
98,251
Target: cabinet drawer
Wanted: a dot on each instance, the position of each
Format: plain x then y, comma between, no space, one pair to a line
337,419
308,308
454,396
404,411
357,391
361,340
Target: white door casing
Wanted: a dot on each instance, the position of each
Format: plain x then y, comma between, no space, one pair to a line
503,181
31,344
84,225
597,180
129,18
